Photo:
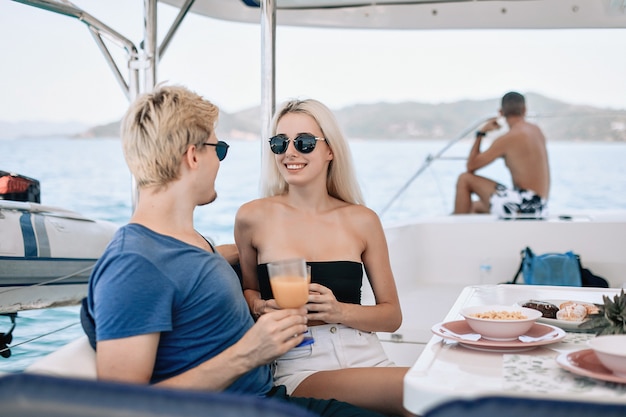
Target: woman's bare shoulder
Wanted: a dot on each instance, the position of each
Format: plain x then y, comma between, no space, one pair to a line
359,213
250,210
358,209
247,208
261,202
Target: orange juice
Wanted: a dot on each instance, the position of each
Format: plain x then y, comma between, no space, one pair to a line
290,291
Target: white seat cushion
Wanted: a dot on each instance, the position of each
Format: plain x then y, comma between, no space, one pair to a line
76,359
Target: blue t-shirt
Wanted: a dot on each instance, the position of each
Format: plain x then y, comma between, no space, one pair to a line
146,282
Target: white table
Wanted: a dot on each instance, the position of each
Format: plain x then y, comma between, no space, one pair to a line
445,371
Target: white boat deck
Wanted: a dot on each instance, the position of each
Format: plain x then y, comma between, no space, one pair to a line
435,258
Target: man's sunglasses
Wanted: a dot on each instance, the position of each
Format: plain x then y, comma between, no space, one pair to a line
221,148
304,143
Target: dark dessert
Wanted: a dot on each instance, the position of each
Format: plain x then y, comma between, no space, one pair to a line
548,310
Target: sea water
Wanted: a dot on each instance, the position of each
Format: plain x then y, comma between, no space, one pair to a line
90,177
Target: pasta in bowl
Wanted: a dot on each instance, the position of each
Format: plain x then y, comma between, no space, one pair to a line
500,322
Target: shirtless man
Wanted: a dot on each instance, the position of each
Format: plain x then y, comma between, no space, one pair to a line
524,151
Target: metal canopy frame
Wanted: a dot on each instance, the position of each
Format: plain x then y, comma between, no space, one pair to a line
142,62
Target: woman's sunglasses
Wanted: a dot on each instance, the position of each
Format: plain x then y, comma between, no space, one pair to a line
221,148
304,143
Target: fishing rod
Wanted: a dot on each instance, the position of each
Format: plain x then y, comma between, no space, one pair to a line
429,160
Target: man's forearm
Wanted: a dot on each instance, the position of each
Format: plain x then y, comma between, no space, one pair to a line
474,152
215,374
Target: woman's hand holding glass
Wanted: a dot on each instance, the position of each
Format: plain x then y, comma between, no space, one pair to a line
323,305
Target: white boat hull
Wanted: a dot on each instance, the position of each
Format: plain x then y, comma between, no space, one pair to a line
46,255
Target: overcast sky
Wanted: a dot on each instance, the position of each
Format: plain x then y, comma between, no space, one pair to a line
52,70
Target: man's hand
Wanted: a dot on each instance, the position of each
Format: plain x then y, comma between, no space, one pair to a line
274,334
491,124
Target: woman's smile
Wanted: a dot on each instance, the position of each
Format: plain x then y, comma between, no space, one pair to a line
295,166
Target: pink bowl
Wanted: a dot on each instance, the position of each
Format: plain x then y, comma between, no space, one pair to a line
611,352
499,329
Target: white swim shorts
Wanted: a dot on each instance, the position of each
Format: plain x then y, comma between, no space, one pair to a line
507,203
336,346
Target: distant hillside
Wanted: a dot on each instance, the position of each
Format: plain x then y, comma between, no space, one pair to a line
413,120
241,125
558,120
10,130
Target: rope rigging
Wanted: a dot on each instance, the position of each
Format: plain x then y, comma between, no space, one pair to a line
5,351
7,338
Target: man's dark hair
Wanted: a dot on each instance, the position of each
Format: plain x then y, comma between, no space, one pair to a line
513,104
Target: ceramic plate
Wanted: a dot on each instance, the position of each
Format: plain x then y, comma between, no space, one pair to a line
563,324
586,363
461,327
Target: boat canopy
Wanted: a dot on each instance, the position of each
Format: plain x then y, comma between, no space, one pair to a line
421,14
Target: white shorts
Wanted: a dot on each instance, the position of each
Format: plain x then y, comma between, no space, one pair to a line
336,346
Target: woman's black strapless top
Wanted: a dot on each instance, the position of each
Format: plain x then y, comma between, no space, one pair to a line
343,278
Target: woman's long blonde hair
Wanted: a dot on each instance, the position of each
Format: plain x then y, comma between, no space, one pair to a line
341,179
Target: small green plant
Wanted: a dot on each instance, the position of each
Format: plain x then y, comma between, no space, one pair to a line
611,319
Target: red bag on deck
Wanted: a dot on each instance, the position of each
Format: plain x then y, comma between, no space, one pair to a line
18,188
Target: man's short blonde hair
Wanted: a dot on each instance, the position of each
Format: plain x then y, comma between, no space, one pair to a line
159,127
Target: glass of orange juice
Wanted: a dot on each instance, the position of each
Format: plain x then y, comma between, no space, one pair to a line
289,280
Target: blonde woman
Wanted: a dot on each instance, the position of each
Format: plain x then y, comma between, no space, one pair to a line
312,208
